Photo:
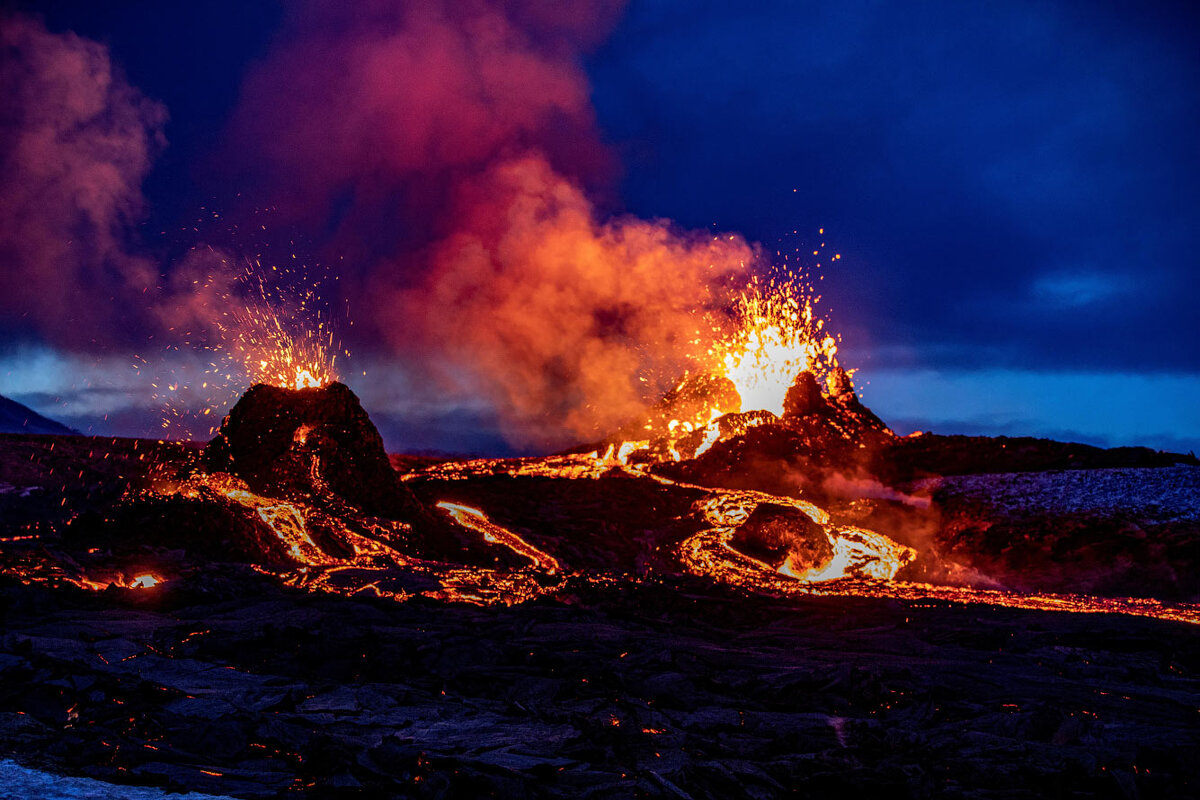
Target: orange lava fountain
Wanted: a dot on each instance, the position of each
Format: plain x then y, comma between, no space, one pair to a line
777,337
264,325
279,339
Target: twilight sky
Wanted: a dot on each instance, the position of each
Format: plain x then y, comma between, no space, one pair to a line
1014,190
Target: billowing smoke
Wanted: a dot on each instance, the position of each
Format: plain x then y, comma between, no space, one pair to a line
444,155
564,320
364,116
76,141
451,152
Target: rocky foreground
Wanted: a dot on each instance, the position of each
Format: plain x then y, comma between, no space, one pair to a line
229,684
396,651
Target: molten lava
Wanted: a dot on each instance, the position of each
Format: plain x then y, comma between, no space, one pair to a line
744,378
776,338
302,472
273,355
492,533
264,325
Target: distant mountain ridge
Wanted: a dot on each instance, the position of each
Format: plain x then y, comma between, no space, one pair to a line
16,418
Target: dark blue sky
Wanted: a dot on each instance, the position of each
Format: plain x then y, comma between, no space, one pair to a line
1012,183
1014,187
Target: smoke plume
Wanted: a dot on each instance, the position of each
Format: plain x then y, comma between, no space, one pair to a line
564,319
445,155
76,141
451,152
364,116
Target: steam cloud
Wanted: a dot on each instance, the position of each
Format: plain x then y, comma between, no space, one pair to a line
459,140
76,141
445,153
561,315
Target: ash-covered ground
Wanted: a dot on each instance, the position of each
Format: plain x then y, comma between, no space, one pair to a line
322,625
1163,494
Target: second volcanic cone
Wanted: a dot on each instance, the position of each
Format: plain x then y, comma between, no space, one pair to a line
303,441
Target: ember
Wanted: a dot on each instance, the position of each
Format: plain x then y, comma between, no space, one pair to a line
730,579
649,555
261,325
777,338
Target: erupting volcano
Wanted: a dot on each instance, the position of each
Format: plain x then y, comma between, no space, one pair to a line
763,445
715,572
757,492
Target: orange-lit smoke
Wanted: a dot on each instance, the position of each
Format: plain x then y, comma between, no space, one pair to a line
365,116
76,141
568,322
447,159
452,150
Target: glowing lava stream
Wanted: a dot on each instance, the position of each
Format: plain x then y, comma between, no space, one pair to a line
373,566
283,519
476,520
856,552
709,553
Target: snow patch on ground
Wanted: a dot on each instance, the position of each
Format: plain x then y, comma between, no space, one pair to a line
19,491
21,783
1160,494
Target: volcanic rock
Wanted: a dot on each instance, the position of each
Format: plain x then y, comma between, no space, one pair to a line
300,441
773,533
636,678
838,383
17,418
818,437
841,395
694,399
803,397
198,528
927,454
841,407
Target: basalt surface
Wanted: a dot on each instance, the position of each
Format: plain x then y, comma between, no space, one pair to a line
528,628
230,684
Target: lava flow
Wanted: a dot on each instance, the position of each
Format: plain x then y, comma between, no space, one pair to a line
736,477
764,376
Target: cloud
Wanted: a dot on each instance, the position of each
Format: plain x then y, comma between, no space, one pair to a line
363,116
450,153
564,320
1072,290
76,141
446,153
954,153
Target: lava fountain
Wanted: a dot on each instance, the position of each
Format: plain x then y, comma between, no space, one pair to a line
777,337
261,325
